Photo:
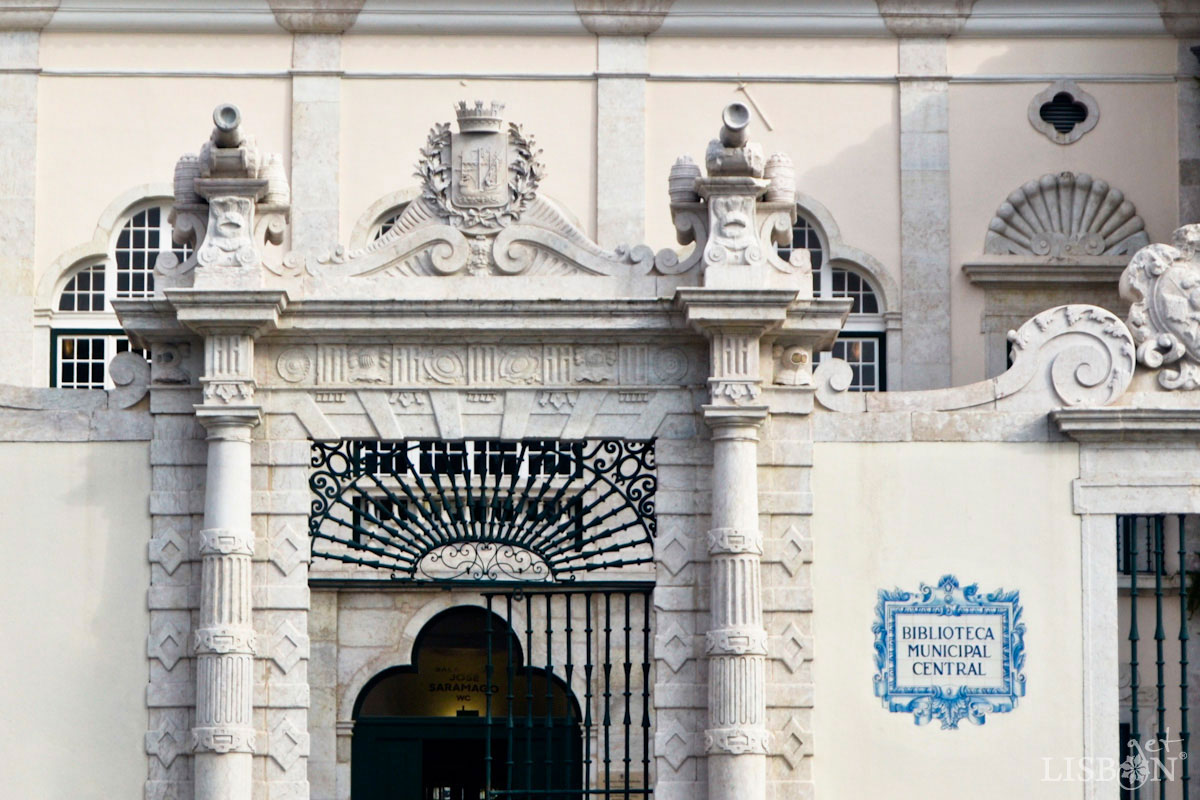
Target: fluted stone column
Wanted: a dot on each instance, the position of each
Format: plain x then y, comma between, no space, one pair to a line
223,736
736,740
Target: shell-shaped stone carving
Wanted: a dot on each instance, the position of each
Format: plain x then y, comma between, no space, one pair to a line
1064,216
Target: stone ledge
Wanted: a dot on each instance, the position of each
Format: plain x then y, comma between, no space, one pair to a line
1174,425
1035,272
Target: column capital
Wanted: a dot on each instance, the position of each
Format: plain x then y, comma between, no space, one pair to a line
228,422
734,422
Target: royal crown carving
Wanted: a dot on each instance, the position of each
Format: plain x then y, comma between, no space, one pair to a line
1065,216
1162,283
479,214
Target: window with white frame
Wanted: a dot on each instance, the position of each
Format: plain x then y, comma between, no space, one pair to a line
862,342
85,334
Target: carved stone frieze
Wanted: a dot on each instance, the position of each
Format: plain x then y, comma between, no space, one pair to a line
1064,216
737,741
224,542
224,640
736,641
221,739
730,540
479,366
1162,282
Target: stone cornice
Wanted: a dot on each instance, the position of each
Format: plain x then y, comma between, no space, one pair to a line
703,18
1099,425
1034,272
212,311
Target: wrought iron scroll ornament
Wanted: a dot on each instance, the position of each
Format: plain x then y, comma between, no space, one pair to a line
484,510
980,640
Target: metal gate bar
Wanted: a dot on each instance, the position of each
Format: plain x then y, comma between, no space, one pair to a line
588,657
1142,551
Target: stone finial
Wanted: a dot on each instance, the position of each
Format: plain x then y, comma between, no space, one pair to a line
925,17
737,214
623,17
1162,283
316,16
230,200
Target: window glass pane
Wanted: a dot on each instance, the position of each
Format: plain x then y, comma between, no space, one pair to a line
385,225
864,354
84,291
804,236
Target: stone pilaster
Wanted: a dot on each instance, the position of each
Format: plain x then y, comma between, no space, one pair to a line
20,30
316,135
925,212
620,140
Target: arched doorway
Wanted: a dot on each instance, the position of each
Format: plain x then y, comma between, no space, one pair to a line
438,729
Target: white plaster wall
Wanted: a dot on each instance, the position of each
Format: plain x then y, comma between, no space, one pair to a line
73,593
897,515
994,149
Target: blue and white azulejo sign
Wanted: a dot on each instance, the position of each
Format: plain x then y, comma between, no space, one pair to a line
949,654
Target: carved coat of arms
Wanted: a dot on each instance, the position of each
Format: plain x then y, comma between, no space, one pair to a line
481,178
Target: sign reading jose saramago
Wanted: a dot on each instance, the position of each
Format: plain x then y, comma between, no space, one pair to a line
946,652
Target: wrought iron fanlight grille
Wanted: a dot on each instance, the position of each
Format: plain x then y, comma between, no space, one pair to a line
484,509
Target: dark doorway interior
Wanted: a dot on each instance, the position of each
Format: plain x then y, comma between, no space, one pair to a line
421,732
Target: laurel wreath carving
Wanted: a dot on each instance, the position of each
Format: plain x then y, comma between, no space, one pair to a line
525,172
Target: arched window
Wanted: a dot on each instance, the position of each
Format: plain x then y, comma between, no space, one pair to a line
862,342
387,221
85,334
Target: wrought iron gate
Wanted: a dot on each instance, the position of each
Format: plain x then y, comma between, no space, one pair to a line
596,640
1156,738
557,537
484,509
